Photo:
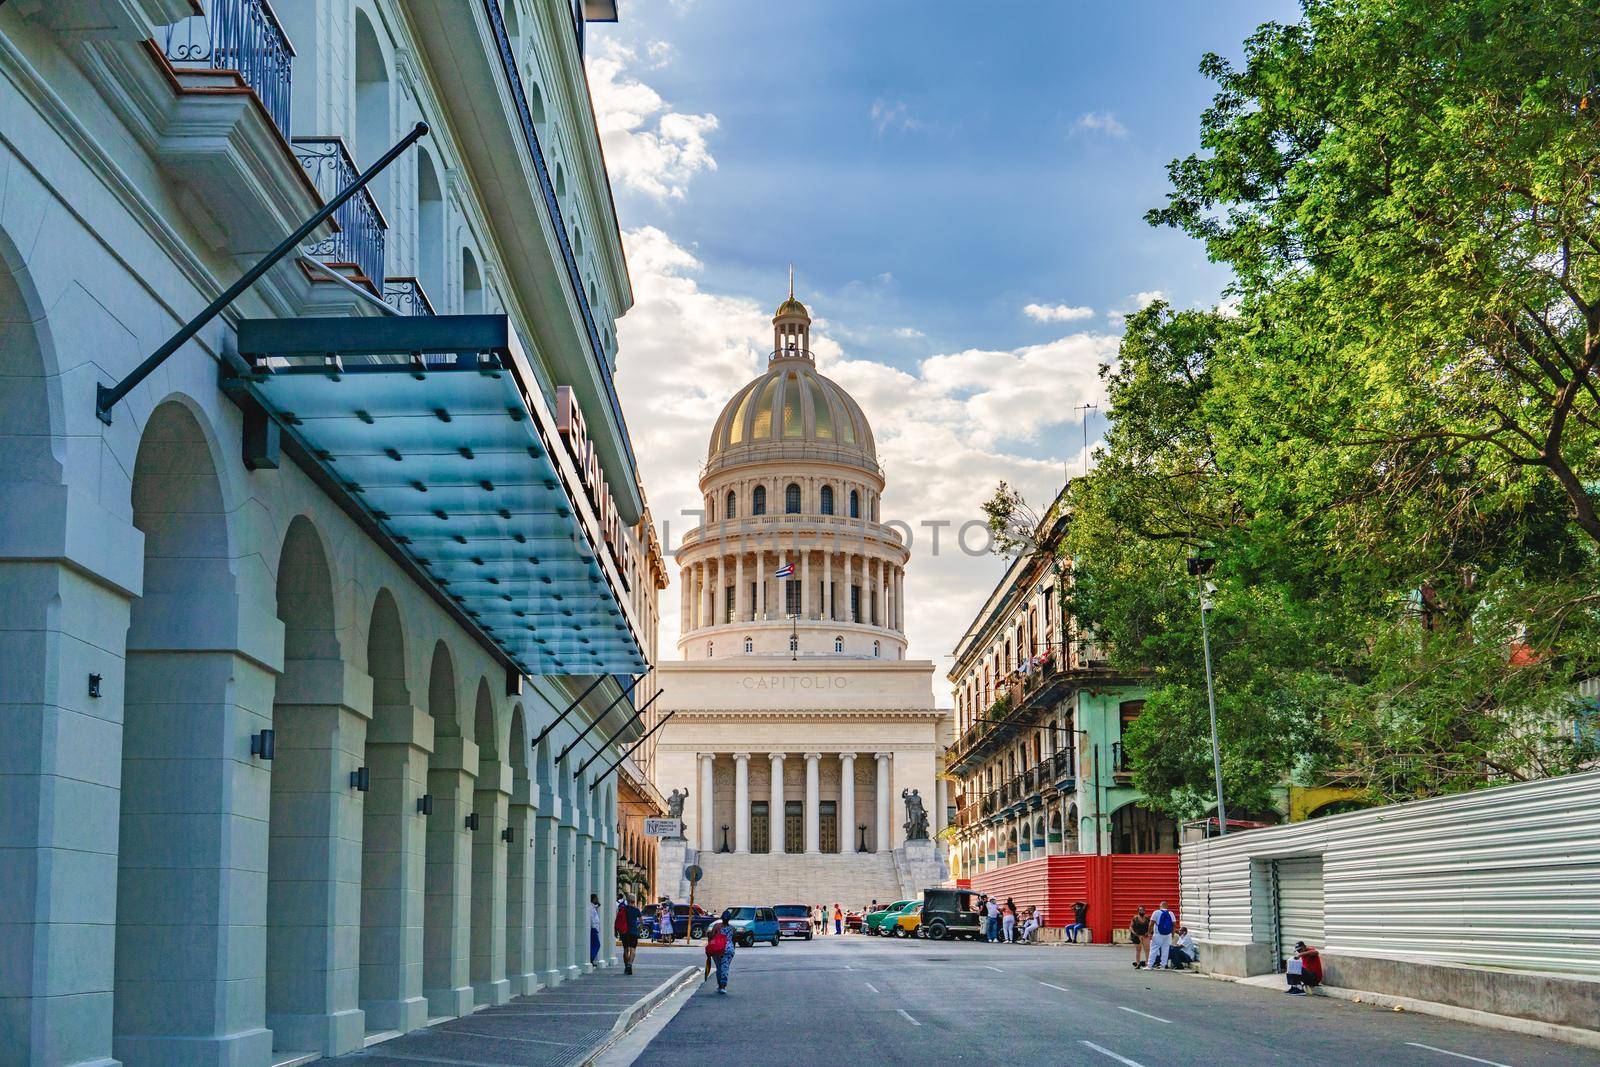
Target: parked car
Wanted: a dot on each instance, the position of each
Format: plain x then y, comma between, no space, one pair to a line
684,922
747,925
794,920
906,921
948,914
875,919
853,921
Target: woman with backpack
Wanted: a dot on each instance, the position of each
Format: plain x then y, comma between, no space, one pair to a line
719,953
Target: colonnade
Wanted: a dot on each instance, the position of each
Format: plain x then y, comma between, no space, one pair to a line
811,822
826,577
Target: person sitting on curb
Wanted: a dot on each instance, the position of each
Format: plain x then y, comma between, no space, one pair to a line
1030,929
1080,922
1184,952
1304,972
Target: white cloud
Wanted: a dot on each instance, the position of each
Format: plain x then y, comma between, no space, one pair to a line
649,147
1136,302
660,53
893,114
1056,312
947,431
910,333
1099,122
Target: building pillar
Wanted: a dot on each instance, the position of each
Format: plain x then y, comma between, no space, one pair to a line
546,887
775,817
740,609
708,841
522,966
813,804
761,584
447,949
567,891
741,802
805,583
491,803
827,584
582,886
849,582
941,805
847,802
881,835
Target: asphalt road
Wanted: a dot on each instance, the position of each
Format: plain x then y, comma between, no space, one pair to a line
860,1002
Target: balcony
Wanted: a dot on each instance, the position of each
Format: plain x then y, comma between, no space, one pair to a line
358,244
1121,766
242,37
407,296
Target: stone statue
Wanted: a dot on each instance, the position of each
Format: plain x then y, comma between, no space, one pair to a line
675,801
916,816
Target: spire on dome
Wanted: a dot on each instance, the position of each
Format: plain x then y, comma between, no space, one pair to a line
791,327
791,280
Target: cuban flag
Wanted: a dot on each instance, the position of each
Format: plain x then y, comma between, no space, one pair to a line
785,571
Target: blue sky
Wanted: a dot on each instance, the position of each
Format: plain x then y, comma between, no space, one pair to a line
932,169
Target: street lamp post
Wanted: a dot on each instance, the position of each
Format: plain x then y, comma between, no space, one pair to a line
1200,566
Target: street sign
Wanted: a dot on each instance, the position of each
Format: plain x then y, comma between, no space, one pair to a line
693,873
661,827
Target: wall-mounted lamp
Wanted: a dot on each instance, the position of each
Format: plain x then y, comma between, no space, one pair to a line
425,804
94,685
360,779
263,744
472,820
506,835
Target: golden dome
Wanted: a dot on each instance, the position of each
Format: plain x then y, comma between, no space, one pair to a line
791,307
794,409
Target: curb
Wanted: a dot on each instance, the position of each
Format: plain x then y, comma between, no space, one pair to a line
635,1012
1572,1035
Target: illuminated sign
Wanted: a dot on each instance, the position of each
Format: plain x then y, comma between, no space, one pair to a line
575,435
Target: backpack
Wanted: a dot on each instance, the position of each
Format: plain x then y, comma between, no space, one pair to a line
1164,922
621,925
718,944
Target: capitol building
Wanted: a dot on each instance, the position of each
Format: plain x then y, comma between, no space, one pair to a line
799,730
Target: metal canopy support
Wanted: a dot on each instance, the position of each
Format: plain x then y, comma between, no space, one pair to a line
107,396
607,742
631,751
557,720
596,720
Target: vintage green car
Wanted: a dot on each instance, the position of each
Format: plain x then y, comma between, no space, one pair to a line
877,922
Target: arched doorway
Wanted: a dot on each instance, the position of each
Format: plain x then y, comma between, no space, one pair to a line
447,920
194,801
314,851
393,834
1139,831
490,801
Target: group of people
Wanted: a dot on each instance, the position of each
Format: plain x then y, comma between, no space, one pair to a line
1159,940
820,914
1006,924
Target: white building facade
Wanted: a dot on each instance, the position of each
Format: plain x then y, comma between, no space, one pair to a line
282,627
799,729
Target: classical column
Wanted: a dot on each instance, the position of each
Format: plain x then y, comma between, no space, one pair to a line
738,588
813,804
761,584
848,583
708,841
775,817
491,800
805,583
882,833
827,583
847,802
741,802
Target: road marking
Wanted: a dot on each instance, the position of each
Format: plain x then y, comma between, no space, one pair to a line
1059,989
908,1017
1457,1055
872,987
1147,1015
1113,1055
992,968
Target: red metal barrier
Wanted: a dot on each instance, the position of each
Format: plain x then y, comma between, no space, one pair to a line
1112,886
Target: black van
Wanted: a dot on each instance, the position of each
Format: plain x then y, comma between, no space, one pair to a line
948,914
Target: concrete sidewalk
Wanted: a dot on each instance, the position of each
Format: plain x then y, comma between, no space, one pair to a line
560,1027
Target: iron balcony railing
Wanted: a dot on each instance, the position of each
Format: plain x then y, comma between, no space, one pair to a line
242,36
362,229
407,296
1120,763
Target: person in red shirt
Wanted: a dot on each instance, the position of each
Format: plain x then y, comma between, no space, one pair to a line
1304,972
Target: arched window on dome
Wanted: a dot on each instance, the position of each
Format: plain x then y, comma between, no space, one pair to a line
877,648
827,500
749,645
838,644
855,504
730,509
758,501
791,499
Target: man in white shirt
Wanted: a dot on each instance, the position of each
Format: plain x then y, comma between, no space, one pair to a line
993,912
1162,923
1183,949
594,928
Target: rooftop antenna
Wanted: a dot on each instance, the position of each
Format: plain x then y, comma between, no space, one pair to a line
1084,410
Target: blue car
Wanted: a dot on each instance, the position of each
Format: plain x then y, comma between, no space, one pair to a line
749,925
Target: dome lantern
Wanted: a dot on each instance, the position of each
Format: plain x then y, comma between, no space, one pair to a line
791,327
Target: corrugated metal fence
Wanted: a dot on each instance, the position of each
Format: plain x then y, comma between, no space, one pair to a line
1507,877
1112,886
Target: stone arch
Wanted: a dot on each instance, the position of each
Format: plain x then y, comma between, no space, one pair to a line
471,284
430,226
442,692
191,703
393,838
311,907
373,78
30,389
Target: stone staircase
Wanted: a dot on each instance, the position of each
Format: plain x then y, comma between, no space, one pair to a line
851,880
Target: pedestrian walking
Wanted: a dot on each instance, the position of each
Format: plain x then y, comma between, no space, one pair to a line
1162,923
719,954
1080,921
992,920
664,921
838,920
1139,930
594,927
1008,921
628,929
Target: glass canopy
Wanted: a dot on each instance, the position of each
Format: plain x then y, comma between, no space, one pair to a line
436,428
